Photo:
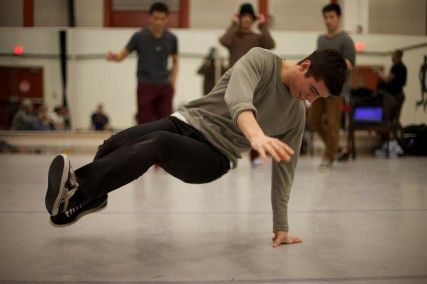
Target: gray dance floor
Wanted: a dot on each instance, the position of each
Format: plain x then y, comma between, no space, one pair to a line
363,222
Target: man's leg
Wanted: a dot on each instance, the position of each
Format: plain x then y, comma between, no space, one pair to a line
333,126
396,125
62,181
121,138
400,99
146,96
315,117
192,160
163,105
185,158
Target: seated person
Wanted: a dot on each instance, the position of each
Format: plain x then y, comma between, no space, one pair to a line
25,119
99,120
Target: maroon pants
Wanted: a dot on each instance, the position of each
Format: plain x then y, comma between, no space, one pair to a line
154,102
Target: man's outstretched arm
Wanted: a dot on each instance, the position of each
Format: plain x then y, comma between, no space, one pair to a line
281,184
266,145
119,56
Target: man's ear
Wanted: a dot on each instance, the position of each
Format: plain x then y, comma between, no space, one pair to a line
305,65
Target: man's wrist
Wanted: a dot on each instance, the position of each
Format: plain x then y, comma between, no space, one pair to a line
280,229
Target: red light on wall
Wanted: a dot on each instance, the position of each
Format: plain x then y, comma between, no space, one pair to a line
18,50
360,46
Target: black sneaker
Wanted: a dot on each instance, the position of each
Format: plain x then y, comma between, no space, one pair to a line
71,215
342,155
62,185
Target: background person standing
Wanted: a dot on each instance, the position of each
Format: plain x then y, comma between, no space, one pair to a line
392,84
325,114
156,84
240,38
391,88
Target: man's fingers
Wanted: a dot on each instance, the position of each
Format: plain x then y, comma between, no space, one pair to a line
271,150
110,56
293,240
288,149
284,240
278,150
281,149
282,152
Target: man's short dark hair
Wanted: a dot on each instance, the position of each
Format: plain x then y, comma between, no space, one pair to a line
332,8
159,7
247,9
399,53
328,65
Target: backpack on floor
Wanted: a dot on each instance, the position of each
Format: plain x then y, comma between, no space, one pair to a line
415,140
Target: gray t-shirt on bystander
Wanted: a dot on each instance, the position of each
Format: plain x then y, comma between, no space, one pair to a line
153,55
254,83
343,43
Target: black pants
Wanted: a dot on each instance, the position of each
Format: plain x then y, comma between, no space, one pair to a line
392,110
176,146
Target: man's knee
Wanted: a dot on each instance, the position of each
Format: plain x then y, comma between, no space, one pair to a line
105,148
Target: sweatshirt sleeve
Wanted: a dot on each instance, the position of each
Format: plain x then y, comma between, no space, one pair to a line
132,43
267,41
283,175
245,76
348,50
227,39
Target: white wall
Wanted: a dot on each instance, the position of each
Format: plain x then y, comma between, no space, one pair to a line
115,84
397,16
50,13
35,41
95,80
355,17
413,60
89,13
215,14
11,13
296,15
376,16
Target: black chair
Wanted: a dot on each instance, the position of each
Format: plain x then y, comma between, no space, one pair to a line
383,126
369,114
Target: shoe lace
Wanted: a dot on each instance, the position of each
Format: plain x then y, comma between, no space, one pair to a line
72,181
71,188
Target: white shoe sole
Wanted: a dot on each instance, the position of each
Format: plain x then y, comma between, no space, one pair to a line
58,176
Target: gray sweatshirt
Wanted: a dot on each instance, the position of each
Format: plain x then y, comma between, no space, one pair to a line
254,84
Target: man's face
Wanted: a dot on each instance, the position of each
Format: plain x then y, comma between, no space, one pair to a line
246,21
307,88
332,21
394,58
158,21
